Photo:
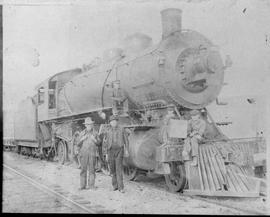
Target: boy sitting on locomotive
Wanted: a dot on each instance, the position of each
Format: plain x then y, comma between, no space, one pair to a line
195,131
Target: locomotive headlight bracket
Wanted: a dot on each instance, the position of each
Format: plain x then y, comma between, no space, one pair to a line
161,59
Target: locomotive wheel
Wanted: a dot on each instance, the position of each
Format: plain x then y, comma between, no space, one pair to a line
130,173
48,153
45,153
18,149
35,152
6,148
176,180
61,151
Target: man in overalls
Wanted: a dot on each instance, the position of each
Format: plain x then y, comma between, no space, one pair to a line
89,140
116,142
195,131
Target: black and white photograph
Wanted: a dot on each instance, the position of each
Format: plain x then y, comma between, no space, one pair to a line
135,106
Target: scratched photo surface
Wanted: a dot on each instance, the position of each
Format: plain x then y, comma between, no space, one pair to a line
43,38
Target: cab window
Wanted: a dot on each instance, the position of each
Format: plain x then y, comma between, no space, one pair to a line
41,93
52,97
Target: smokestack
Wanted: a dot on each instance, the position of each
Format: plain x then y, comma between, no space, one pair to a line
171,19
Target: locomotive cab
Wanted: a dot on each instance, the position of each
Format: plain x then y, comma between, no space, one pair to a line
49,99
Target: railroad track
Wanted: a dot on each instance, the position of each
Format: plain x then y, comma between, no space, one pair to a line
41,198
162,187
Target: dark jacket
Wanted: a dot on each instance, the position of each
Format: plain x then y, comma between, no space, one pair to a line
88,143
122,140
196,127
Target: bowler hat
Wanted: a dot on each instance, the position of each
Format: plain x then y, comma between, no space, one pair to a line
113,117
194,112
88,120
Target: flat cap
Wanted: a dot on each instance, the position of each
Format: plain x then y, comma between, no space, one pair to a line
88,120
113,117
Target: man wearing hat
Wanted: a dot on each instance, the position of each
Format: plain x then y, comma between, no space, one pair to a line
76,138
120,102
165,127
89,139
115,145
196,128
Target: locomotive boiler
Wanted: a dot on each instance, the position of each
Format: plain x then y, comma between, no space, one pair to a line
184,71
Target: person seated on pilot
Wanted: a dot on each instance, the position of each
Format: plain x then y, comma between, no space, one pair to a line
170,115
195,131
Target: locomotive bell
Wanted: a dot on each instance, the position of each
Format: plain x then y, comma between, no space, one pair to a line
114,53
136,43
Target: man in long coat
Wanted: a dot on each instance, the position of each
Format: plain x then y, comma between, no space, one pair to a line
115,145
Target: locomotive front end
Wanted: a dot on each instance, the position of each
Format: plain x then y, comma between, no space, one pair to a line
194,69
184,70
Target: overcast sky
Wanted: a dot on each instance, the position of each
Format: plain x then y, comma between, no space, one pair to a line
41,40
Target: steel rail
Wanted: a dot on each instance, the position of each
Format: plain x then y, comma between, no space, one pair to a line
211,201
46,189
141,184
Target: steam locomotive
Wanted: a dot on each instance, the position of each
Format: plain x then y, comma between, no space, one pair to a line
184,71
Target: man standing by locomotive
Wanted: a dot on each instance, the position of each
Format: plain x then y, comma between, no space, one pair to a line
76,148
195,131
120,101
165,127
115,145
89,140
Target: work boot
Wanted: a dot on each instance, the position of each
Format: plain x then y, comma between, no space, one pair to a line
194,161
81,188
114,189
122,191
93,188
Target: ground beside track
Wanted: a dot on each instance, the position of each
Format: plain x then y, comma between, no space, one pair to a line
22,196
138,199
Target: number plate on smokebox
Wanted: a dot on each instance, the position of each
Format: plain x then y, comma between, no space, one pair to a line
169,153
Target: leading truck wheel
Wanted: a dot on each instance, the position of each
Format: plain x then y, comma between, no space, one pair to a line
61,151
130,173
45,152
176,180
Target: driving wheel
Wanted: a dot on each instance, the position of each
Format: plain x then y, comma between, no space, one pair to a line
61,151
130,172
176,180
